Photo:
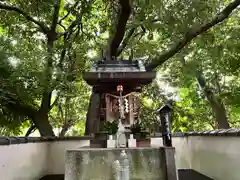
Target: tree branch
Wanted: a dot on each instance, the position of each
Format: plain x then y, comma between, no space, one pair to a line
47,92
62,26
32,128
55,15
21,108
68,13
188,37
75,23
120,28
55,102
42,26
65,127
66,46
128,37
125,41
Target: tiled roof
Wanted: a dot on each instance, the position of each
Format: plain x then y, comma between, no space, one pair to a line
119,66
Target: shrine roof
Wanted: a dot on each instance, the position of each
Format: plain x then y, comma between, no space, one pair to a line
119,66
106,75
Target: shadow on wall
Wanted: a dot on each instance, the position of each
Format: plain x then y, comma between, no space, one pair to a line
184,174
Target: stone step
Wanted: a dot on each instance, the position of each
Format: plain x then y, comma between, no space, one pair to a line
184,174
190,174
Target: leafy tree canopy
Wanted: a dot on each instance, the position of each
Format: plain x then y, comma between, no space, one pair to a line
46,45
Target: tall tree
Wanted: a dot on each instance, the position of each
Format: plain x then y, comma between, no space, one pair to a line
159,59
55,33
216,103
45,39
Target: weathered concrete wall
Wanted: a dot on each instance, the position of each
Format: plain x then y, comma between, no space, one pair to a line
181,147
216,157
23,161
98,164
183,154
214,154
56,161
33,160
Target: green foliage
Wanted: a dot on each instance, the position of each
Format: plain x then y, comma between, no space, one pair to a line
136,128
23,59
110,127
78,129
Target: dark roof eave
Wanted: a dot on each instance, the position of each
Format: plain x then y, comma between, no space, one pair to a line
142,78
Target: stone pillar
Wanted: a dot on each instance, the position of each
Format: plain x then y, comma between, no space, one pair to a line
168,163
71,166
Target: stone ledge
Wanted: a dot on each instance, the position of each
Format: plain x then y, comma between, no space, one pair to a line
218,132
23,140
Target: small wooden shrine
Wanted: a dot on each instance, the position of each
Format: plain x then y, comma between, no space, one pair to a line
119,81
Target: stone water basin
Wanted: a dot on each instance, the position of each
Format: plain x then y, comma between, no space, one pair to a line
98,163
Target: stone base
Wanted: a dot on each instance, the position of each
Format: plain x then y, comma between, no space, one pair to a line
111,143
132,143
97,164
156,142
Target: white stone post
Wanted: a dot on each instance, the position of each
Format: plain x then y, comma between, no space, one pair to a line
111,142
132,142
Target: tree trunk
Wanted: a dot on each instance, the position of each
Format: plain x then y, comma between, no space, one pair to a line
218,108
64,130
93,114
42,123
31,130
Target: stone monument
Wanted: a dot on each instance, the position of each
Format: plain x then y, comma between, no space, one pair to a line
121,137
124,166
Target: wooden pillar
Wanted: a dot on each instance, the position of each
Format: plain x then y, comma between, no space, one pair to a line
108,107
131,111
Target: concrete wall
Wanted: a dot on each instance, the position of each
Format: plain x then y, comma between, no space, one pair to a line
23,161
32,161
57,154
217,157
182,155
